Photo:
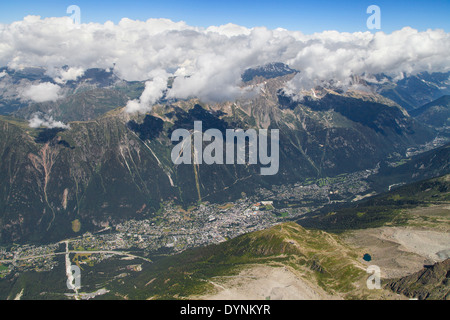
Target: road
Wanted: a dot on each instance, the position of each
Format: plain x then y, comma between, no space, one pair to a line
120,253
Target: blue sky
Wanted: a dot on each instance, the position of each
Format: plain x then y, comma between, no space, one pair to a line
306,16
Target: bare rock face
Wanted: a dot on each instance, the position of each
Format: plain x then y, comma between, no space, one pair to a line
430,283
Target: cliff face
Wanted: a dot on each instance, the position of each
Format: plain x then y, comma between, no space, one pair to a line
430,283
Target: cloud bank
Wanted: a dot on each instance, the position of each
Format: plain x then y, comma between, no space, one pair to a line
208,62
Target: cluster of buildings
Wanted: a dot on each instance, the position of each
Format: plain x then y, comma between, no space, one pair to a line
176,229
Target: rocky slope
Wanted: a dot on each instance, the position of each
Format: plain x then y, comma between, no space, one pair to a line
430,283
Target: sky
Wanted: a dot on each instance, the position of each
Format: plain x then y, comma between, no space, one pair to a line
296,15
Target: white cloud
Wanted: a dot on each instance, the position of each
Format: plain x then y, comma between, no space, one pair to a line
208,62
229,30
153,91
46,121
41,92
62,75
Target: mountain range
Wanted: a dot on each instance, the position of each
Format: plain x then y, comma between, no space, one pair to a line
371,164
110,165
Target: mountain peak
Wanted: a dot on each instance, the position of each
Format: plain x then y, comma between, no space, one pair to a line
268,71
